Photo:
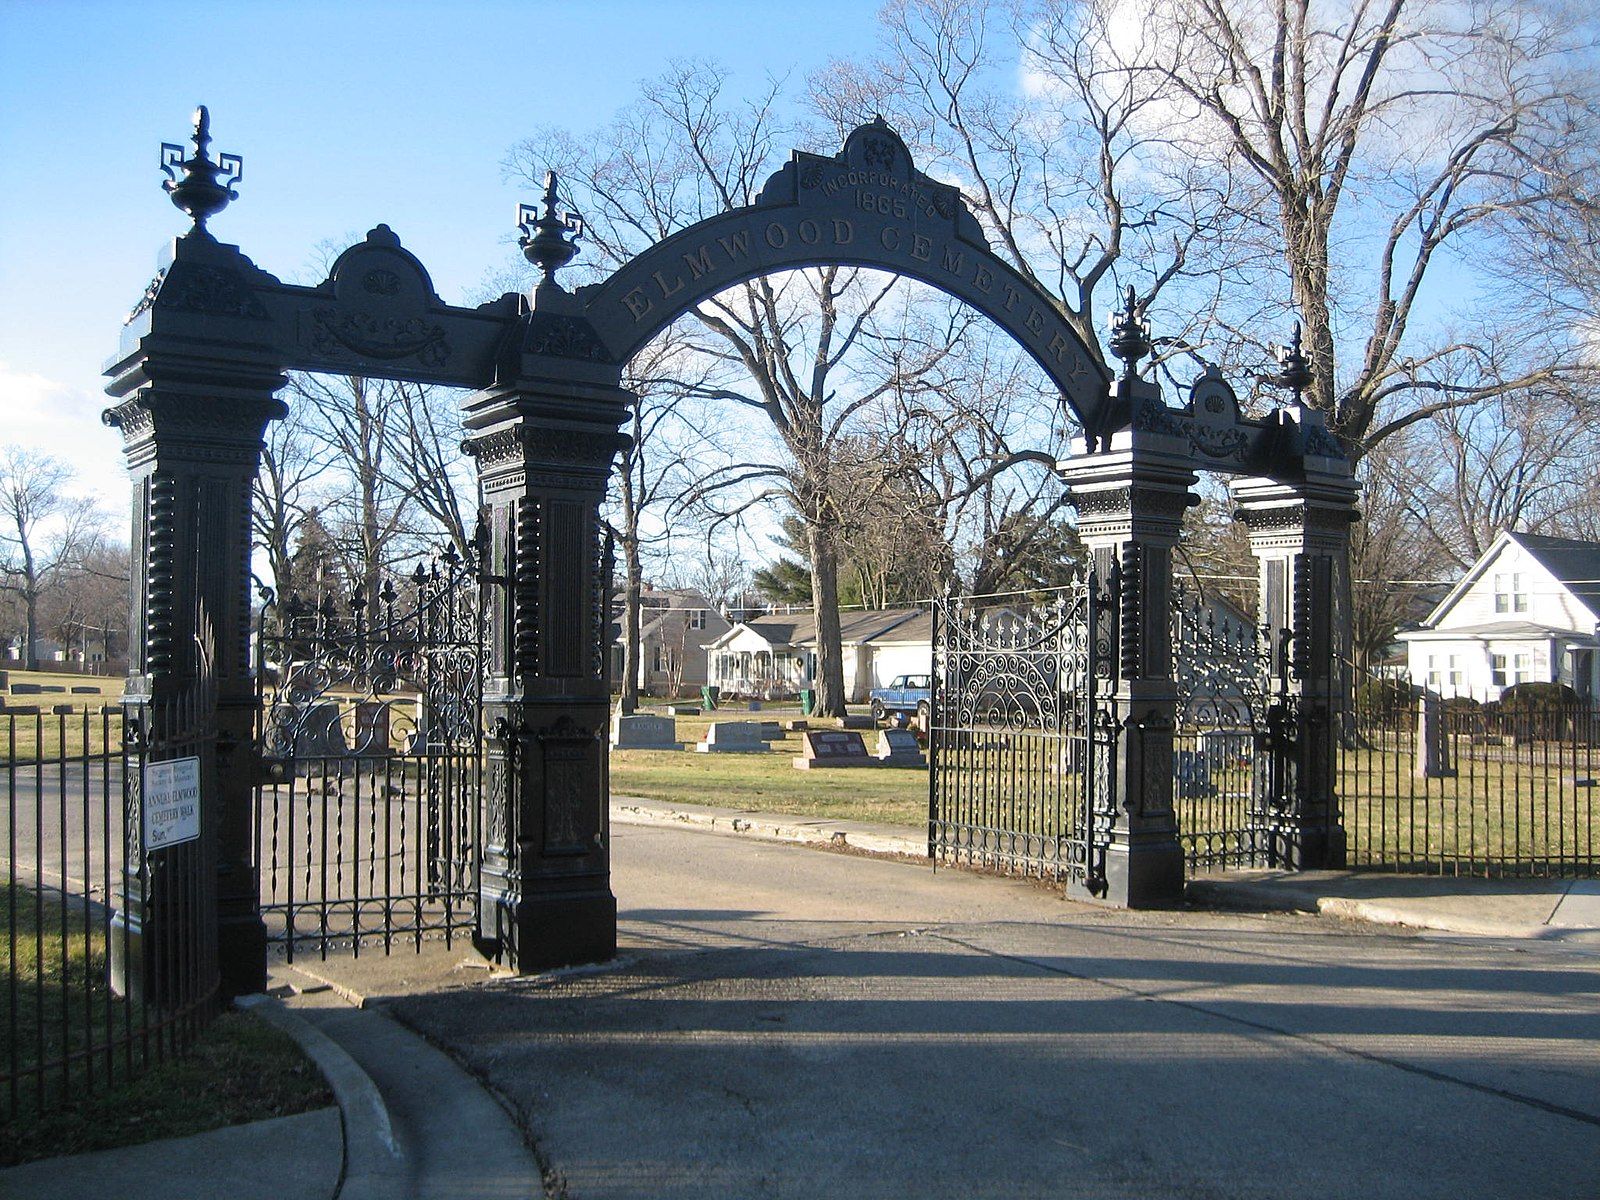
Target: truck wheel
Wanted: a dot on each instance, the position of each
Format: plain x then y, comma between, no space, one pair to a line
877,712
924,714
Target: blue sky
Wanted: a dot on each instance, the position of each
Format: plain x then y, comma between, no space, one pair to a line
347,113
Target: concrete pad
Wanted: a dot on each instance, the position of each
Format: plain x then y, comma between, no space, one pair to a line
290,1158
1579,908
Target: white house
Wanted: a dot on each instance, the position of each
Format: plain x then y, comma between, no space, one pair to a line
676,627
776,655
1528,611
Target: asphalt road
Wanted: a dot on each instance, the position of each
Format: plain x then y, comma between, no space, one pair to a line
787,1022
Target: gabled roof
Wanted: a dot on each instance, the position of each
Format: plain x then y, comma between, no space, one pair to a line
1574,564
800,628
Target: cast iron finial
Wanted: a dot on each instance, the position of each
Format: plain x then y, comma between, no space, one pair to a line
206,186
1130,336
1294,371
548,248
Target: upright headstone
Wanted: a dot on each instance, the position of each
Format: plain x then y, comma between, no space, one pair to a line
899,748
771,731
644,731
732,737
1433,738
834,748
371,733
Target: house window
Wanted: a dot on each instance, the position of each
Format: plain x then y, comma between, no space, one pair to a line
1508,594
1433,671
697,618
1454,677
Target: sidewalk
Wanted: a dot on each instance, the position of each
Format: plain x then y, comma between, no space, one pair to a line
1548,910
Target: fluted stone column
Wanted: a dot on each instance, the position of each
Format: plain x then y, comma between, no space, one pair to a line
1300,533
192,418
544,444
1130,495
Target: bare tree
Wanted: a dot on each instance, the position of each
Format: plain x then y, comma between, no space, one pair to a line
45,532
1366,142
781,349
285,493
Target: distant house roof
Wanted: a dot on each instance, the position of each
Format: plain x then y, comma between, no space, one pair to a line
1497,630
800,628
1575,565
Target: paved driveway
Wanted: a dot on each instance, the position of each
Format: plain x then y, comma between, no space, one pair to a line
793,1023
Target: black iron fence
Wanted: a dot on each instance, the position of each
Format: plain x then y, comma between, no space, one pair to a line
109,954
1461,787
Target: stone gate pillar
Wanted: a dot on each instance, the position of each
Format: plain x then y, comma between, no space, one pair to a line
1300,533
544,443
1130,495
195,383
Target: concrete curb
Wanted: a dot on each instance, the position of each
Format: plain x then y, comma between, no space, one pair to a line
820,831
374,1165
1282,898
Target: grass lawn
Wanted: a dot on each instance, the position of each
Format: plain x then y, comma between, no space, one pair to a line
239,1070
769,781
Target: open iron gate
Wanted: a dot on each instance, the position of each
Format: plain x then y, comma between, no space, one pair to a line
1020,730
370,743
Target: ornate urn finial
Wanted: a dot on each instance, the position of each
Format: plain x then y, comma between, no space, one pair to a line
1294,371
206,186
543,241
1130,336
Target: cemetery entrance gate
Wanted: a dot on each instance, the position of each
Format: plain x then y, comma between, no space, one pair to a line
195,382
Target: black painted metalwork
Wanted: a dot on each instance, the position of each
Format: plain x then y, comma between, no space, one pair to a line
206,185
77,1019
371,750
1019,732
1222,669
544,238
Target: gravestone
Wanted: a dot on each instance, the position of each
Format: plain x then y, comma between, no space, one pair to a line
25,710
857,722
52,687
683,710
1433,738
771,731
85,691
899,748
755,706
834,748
26,689
371,738
799,726
62,710
732,737
644,731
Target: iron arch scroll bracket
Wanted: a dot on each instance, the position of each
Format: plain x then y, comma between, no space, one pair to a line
867,206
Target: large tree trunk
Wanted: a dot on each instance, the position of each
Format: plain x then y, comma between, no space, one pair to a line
30,652
829,683
632,649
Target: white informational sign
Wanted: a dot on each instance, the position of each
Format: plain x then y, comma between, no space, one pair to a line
171,803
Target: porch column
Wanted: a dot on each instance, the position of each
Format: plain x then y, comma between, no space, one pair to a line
195,383
1130,498
1300,533
544,444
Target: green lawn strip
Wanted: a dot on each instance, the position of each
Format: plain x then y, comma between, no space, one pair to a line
769,782
239,1070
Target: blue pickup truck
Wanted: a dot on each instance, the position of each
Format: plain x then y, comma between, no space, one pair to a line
909,694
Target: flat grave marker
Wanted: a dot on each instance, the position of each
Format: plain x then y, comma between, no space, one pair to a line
834,748
732,737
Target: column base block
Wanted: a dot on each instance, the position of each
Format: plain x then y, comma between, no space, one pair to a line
241,956
539,933
1139,876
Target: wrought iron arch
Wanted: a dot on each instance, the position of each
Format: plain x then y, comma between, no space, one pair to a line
867,206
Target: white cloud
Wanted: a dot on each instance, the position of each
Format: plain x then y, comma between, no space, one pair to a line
58,419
